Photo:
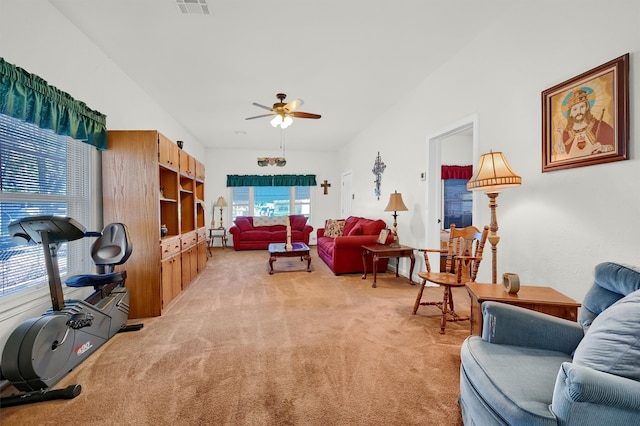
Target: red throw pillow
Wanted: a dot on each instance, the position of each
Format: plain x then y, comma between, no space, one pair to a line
297,221
373,227
356,230
349,223
243,223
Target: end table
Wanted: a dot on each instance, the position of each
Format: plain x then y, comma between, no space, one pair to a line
386,251
540,299
217,233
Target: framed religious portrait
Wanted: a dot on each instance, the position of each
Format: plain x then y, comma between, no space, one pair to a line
585,120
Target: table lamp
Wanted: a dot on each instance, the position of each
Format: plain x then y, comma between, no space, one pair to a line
492,175
220,203
395,205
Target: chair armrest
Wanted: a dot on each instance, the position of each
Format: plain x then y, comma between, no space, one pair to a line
597,394
441,251
513,325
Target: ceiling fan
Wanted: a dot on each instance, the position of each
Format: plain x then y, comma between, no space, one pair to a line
282,112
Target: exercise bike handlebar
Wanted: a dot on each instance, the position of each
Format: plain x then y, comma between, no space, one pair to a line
59,229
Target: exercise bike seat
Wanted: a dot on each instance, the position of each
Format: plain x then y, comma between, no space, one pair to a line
112,248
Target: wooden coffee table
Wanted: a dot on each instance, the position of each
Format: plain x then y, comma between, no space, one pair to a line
277,250
540,299
385,251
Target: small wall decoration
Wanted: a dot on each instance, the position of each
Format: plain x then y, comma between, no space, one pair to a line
378,169
585,120
272,161
326,185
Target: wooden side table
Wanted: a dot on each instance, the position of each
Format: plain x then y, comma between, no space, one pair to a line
540,299
384,251
217,233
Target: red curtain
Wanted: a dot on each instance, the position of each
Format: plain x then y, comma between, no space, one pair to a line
457,172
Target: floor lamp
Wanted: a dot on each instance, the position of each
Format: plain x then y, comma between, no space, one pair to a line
492,175
395,205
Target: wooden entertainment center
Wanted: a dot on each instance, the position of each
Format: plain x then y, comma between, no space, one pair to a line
149,182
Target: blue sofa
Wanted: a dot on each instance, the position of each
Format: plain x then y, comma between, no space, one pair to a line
529,368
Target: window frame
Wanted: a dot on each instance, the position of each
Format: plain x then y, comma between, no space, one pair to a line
250,204
83,200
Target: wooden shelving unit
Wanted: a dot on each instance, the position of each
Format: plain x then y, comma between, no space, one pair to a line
149,182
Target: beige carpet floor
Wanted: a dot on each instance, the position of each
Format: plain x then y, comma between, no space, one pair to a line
242,347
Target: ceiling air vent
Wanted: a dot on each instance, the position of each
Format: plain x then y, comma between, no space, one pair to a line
193,7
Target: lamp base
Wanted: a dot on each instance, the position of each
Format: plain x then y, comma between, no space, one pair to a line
395,242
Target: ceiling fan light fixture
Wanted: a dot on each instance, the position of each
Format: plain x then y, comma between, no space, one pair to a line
276,121
282,113
286,122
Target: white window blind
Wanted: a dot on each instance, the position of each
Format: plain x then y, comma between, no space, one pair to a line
270,200
42,173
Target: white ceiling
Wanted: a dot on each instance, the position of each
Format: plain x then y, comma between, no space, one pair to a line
348,60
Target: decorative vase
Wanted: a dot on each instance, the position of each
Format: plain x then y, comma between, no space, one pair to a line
164,230
511,282
288,245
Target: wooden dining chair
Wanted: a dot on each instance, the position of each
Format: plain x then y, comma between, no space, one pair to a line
463,257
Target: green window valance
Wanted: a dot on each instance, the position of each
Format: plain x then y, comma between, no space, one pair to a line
275,180
29,98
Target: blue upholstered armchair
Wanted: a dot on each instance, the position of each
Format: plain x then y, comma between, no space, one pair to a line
529,368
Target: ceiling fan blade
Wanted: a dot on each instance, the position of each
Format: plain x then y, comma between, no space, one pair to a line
293,105
300,114
260,116
263,106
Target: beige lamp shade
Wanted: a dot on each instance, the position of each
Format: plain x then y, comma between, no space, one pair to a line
396,204
220,202
493,174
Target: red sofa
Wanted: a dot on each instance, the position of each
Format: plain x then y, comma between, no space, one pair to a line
343,252
268,230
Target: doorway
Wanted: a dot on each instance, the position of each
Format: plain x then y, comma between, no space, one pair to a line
346,195
454,145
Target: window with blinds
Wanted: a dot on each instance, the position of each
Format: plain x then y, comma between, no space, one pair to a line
270,200
41,173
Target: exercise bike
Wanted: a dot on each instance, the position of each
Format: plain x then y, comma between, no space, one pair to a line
42,350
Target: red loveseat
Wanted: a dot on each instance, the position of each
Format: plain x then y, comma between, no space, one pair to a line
268,230
340,244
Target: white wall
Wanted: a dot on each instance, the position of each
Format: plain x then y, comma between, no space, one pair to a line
457,150
557,226
222,162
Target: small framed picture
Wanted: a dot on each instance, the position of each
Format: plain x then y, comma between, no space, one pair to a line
382,238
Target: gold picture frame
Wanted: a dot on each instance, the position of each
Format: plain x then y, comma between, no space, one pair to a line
382,237
585,120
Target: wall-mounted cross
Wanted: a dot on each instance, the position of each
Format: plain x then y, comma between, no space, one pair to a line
326,186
